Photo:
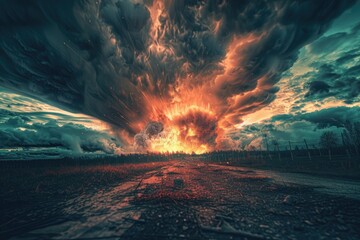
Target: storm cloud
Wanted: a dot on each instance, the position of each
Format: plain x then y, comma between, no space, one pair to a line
295,128
19,130
132,62
337,72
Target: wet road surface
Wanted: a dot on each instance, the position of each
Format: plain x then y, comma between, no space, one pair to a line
336,187
194,200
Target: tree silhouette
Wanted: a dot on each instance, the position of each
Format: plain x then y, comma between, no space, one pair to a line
351,136
328,140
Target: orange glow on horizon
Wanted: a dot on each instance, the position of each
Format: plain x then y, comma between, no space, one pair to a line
193,111
170,142
176,137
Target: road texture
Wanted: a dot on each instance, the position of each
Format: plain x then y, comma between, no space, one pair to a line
190,199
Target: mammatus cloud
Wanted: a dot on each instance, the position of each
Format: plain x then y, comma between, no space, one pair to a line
196,68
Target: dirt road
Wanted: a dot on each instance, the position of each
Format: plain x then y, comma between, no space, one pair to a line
194,200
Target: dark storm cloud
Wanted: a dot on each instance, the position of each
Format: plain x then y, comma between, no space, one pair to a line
61,52
337,78
332,42
348,57
104,57
283,31
333,116
296,127
19,130
317,87
329,43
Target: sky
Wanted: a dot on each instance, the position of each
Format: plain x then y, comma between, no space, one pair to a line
122,76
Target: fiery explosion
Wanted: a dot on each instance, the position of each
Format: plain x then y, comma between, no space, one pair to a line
199,107
180,129
165,75
198,102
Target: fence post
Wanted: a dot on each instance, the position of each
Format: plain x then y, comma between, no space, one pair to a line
291,153
307,149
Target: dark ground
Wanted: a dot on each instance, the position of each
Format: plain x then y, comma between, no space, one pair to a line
179,200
